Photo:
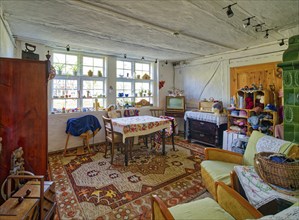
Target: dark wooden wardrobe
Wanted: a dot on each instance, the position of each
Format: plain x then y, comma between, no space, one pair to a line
23,113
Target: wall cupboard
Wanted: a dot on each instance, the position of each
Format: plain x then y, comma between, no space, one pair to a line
23,113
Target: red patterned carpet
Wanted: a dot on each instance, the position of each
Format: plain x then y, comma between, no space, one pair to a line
89,187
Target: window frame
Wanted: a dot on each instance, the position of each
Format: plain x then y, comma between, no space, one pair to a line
135,97
80,78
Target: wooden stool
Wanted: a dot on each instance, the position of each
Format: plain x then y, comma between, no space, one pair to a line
84,127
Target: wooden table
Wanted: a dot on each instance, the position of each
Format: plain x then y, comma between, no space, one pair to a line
131,127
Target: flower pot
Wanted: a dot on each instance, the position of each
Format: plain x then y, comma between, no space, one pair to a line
90,73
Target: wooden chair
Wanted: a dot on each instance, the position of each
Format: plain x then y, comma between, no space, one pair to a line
158,112
86,127
112,138
114,114
131,112
229,204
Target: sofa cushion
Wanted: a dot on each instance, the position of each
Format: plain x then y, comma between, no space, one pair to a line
206,208
219,170
248,157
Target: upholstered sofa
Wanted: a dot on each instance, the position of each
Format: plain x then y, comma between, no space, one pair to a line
219,163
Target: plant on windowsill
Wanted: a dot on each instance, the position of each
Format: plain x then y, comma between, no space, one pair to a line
75,69
90,73
141,92
59,67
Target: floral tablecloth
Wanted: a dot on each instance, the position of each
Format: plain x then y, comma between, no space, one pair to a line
257,191
138,125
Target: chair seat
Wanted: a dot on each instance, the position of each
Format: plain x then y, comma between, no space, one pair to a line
206,208
218,170
117,138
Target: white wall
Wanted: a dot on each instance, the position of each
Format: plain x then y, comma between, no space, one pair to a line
165,73
7,43
196,76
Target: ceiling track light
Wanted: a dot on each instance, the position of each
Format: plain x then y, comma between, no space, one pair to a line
166,62
229,11
125,56
156,61
258,27
68,48
142,58
267,33
245,25
281,43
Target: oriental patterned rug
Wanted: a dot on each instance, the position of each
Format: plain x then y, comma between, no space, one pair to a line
89,187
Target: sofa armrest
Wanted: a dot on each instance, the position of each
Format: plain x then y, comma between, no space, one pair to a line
223,155
160,210
234,203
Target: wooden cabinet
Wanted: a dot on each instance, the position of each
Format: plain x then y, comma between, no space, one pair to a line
23,113
205,132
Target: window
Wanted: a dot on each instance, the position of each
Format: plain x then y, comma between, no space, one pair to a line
134,82
75,88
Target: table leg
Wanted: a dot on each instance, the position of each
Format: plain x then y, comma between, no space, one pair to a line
163,141
126,150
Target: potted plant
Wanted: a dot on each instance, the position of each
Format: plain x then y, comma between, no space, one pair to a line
90,73
100,73
75,69
140,92
59,68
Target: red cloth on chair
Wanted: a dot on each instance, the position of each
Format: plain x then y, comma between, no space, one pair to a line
168,132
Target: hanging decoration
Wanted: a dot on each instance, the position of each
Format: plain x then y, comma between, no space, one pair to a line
161,84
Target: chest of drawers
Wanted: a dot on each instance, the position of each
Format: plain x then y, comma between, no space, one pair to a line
205,132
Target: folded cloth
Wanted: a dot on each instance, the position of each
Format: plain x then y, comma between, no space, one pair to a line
78,126
269,144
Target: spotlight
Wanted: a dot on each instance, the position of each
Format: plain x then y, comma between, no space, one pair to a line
281,43
258,27
166,62
229,11
142,58
68,47
125,56
245,25
267,33
156,61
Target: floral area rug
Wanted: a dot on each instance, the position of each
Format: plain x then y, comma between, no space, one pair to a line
89,187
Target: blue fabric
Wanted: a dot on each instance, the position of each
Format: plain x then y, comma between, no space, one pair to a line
78,126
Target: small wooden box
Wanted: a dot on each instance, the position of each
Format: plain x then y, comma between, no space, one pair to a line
205,106
49,203
13,210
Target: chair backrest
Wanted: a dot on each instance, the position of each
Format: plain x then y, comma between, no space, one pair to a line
157,112
114,114
233,203
257,139
131,112
109,133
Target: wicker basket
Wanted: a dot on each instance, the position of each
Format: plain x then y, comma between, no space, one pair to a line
285,175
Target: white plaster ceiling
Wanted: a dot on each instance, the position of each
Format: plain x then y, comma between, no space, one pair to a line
146,27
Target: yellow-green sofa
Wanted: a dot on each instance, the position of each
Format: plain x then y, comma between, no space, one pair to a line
219,163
